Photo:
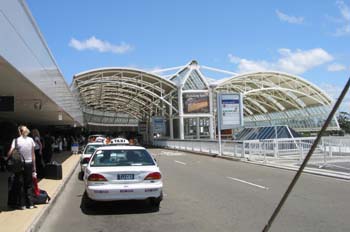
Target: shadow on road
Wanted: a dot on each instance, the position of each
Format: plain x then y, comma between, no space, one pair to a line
89,207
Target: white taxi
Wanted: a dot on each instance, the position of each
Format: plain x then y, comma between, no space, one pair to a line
87,153
121,172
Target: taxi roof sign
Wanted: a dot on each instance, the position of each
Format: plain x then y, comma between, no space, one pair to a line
120,141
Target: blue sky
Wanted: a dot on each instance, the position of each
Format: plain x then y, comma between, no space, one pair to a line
307,38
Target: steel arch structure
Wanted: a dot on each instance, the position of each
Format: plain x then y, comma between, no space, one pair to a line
274,96
122,95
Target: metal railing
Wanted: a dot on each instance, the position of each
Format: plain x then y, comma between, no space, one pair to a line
330,149
230,148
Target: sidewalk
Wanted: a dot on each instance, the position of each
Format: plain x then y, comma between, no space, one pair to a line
21,220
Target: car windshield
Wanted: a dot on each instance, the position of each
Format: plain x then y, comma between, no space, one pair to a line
103,158
90,149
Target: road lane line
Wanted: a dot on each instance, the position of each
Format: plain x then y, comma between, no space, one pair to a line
245,182
180,162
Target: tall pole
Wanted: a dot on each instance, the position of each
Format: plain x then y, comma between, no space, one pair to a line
171,125
211,110
218,111
181,113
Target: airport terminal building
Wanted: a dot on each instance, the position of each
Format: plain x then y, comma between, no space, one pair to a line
183,99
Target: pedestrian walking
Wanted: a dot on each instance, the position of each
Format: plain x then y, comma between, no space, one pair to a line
25,146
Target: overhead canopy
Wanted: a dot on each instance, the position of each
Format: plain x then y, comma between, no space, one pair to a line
280,98
122,95
266,92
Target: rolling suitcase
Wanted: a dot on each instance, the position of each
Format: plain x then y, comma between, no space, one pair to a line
53,171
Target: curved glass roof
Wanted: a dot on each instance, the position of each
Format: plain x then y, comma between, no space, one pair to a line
267,92
116,91
116,95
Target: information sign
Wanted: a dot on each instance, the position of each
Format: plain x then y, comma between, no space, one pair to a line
230,110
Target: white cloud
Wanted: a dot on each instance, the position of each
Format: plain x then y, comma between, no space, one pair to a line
99,45
344,10
290,19
156,69
336,67
296,62
334,92
344,29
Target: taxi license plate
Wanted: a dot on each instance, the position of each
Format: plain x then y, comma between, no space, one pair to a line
125,176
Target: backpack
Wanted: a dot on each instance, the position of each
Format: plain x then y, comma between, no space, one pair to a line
42,198
15,163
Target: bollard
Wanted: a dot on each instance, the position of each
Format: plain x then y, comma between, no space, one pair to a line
301,151
265,161
275,150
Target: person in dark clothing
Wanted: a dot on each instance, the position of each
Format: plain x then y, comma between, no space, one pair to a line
38,148
48,150
2,158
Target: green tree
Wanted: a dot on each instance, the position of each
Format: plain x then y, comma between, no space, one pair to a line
344,121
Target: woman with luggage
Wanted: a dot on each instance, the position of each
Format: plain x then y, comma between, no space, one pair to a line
25,146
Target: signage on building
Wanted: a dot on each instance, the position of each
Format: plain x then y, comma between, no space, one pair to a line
142,128
195,103
158,125
230,110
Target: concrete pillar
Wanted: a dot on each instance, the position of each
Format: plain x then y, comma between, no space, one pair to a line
198,127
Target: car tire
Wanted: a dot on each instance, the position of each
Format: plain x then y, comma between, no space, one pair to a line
88,202
155,202
80,175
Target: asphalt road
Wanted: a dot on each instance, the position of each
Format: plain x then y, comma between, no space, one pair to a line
211,194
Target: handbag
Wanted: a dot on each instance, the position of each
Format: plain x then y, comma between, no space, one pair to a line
16,161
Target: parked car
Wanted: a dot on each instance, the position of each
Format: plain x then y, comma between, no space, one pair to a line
86,154
121,172
96,138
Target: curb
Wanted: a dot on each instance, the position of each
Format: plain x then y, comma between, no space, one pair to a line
40,218
326,173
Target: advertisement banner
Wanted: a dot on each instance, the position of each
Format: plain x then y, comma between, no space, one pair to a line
195,103
158,125
230,110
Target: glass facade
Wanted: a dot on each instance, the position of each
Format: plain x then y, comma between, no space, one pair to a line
301,120
204,128
194,82
190,126
196,128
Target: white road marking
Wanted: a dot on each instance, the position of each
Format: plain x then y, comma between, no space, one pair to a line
180,162
165,153
338,166
245,182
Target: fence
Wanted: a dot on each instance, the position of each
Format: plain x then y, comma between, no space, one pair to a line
210,147
330,149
